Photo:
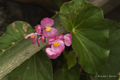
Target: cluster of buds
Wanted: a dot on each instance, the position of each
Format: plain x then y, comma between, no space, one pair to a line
56,43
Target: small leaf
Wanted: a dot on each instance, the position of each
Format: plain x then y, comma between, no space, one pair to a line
65,74
38,67
71,58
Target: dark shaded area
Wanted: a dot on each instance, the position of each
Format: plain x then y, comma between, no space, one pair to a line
13,11
114,14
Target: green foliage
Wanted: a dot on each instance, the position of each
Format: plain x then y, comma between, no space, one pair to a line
15,32
89,32
112,67
13,46
36,68
5,78
65,74
95,41
71,58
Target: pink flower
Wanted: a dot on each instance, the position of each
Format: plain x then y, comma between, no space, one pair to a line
38,29
50,41
68,39
51,54
61,37
33,36
42,37
55,44
38,41
58,46
48,31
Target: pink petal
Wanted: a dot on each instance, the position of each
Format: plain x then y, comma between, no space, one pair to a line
47,22
69,35
42,38
38,29
51,33
50,41
61,36
28,35
68,39
38,41
59,48
48,45
34,39
51,54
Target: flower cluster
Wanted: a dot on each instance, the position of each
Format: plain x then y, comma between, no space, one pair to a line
56,43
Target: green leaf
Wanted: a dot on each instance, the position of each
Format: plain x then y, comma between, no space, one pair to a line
65,74
22,50
38,67
119,78
112,67
15,32
71,58
5,78
89,34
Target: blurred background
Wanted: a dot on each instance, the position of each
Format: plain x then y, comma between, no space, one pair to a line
32,11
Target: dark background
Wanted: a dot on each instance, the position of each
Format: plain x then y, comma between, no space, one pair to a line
32,11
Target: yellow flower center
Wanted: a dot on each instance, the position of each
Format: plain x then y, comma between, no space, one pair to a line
48,28
13,43
119,73
3,50
32,36
56,44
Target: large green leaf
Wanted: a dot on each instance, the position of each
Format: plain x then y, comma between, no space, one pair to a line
65,74
11,46
17,52
15,32
89,33
38,67
112,67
